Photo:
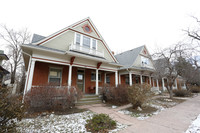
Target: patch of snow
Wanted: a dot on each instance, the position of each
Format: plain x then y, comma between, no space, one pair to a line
59,123
114,107
141,116
168,100
195,126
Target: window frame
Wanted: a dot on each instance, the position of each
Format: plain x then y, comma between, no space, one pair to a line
61,71
99,75
82,39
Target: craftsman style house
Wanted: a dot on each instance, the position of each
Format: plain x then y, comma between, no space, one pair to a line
78,56
74,56
138,67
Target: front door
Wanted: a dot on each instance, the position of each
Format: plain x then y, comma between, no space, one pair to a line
81,80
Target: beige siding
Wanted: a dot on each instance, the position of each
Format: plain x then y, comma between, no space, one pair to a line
79,28
61,42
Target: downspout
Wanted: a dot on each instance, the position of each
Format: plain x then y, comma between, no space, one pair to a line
25,87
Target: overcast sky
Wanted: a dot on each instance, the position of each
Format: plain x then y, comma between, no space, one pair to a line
124,24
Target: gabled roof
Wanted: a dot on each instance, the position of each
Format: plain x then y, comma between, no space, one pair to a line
40,40
37,38
127,58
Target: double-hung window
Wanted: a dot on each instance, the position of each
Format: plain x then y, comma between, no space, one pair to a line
93,76
94,44
78,39
55,76
86,41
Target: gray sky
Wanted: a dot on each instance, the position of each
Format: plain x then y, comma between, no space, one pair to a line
124,24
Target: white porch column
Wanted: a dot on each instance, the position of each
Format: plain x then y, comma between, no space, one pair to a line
105,78
153,83
119,78
130,79
176,86
70,76
116,78
141,79
163,84
30,76
157,84
97,82
150,80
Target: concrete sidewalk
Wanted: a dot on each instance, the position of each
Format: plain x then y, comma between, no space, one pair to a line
172,120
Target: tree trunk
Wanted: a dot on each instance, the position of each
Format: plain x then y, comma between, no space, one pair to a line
170,93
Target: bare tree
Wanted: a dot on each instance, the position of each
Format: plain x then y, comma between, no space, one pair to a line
165,65
12,40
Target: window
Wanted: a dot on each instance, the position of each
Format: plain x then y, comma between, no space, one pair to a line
145,61
86,41
137,80
127,79
78,39
93,76
94,44
55,75
107,79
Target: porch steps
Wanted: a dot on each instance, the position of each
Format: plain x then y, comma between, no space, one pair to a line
89,99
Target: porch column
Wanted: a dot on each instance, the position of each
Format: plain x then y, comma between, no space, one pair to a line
116,78
163,84
130,79
153,83
30,76
97,82
157,84
70,76
176,86
141,79
150,80
105,78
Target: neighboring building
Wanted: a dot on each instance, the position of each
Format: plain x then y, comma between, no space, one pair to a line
3,71
74,56
137,67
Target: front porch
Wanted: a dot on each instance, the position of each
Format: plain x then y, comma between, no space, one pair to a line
87,79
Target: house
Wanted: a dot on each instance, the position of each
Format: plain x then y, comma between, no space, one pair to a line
79,56
74,56
138,67
3,71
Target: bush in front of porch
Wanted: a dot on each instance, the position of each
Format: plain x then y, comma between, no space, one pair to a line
139,94
52,98
115,95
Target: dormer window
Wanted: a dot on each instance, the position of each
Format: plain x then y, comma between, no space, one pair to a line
94,44
78,39
85,41
145,61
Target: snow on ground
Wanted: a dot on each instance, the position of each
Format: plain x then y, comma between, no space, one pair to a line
59,123
141,116
195,126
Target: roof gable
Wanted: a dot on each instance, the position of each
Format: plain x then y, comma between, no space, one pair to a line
128,58
79,27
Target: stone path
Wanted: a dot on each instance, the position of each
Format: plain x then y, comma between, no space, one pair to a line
172,120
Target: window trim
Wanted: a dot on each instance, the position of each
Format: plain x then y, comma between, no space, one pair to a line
59,68
81,41
99,73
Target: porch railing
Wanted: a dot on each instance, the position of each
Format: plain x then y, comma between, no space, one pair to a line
86,50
